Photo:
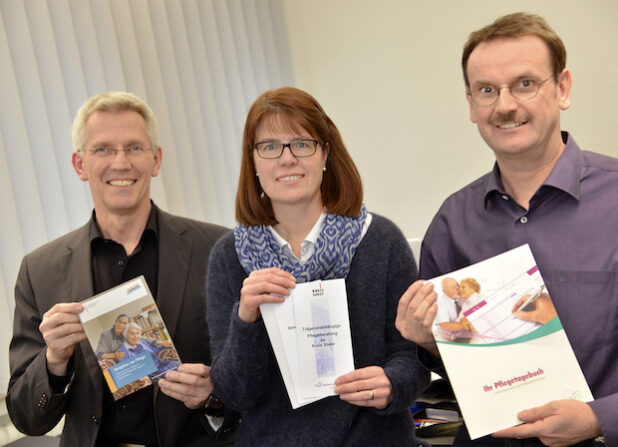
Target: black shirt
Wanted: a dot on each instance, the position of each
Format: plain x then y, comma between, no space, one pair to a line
130,419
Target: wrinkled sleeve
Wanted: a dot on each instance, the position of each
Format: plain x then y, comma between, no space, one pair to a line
606,411
31,403
407,376
241,365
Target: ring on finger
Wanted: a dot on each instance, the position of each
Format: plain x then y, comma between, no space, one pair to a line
372,394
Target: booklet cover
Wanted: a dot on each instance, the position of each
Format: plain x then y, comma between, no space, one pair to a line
310,335
128,336
502,342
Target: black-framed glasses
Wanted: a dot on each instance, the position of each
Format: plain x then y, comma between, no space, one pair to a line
303,147
107,151
485,95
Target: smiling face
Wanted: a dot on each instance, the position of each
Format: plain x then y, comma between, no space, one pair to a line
289,181
465,291
514,127
120,324
119,184
132,336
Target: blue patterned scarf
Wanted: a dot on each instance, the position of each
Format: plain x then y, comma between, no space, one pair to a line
339,237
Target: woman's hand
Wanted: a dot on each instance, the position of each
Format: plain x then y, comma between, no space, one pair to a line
269,285
543,309
365,387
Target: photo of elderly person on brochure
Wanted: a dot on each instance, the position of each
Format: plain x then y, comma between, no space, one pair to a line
490,317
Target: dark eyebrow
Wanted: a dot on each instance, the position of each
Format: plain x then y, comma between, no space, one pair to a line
524,75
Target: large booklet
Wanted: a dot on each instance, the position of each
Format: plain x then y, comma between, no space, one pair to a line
310,335
502,342
128,336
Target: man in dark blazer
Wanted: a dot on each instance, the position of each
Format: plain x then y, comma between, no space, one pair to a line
54,371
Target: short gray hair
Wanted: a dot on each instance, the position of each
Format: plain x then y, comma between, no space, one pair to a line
113,102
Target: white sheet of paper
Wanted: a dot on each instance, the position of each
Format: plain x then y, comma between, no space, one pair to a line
323,336
278,316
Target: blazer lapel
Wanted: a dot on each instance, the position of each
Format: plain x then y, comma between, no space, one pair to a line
77,275
174,259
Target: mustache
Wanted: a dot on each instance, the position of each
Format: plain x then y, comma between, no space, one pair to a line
504,118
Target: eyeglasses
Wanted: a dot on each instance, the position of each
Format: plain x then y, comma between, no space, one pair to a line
274,149
107,151
485,95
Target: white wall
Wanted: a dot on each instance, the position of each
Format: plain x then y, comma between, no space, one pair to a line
388,74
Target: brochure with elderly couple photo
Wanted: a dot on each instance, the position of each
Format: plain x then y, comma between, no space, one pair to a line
502,342
128,336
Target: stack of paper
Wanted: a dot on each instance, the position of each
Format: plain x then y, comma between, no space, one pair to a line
310,334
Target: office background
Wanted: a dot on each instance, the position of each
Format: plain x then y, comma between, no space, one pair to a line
387,72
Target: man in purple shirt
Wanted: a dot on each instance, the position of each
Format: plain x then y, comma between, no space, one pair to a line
544,191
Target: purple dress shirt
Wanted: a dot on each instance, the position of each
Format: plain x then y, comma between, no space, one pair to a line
571,227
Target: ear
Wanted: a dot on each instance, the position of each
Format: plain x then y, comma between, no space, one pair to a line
157,164
471,105
326,151
564,89
78,164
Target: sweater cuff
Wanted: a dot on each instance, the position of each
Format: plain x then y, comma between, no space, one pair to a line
430,362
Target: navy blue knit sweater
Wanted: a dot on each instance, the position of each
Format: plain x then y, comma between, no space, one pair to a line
245,372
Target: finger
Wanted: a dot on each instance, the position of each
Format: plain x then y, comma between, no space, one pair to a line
430,314
58,318
424,298
519,432
373,397
406,298
195,368
519,302
63,336
191,396
525,315
68,308
265,288
277,276
358,374
254,300
371,377
361,395
278,271
537,413
180,391
194,380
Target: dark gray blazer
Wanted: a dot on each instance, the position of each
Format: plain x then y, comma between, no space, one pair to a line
60,271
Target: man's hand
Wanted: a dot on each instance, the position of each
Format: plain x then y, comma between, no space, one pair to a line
61,329
556,424
189,384
365,387
415,314
543,311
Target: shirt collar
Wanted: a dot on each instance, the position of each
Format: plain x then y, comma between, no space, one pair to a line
132,348
151,225
565,176
312,237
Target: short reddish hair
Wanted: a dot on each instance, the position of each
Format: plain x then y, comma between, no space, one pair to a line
518,24
341,189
